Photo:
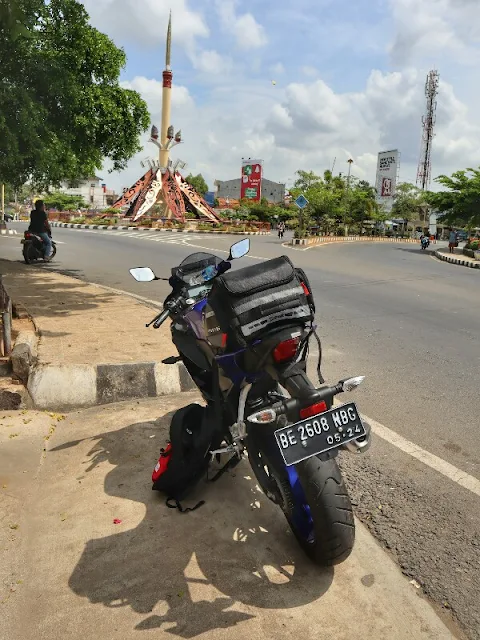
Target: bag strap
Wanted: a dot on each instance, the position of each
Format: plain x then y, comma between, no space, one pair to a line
321,379
230,464
177,505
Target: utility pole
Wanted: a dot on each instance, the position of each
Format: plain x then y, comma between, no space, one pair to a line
350,162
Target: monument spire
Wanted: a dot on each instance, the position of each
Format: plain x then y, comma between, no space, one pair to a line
166,135
169,44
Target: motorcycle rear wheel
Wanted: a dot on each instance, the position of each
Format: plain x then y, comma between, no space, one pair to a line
313,498
329,512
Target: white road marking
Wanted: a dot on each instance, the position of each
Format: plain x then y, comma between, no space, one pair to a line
199,246
448,470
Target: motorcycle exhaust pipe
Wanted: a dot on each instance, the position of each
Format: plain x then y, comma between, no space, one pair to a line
360,445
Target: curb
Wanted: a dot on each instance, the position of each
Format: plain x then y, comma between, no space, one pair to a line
122,228
459,261
333,240
8,232
65,387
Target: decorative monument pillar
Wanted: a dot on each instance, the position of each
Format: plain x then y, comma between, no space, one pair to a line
163,184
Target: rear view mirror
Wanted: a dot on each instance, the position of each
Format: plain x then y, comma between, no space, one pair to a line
239,249
143,274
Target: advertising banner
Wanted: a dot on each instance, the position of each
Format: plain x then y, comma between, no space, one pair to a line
386,181
251,184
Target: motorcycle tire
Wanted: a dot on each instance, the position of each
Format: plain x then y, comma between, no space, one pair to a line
54,251
331,513
29,253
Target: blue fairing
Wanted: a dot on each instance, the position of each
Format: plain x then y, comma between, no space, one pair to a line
200,305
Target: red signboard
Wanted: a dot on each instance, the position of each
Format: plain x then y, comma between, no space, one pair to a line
251,185
387,188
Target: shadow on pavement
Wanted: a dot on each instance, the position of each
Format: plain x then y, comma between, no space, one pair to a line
417,249
44,295
189,570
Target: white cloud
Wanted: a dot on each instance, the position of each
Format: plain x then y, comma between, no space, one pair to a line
435,29
211,62
146,23
249,34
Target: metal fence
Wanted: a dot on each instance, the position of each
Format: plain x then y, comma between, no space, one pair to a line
6,320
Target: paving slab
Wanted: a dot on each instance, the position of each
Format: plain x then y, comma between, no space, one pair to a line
231,567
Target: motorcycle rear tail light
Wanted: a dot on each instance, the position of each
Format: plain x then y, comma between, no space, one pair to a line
305,289
286,350
313,410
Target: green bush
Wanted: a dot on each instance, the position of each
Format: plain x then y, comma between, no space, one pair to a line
300,234
474,245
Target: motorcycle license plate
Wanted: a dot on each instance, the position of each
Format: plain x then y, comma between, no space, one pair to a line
323,432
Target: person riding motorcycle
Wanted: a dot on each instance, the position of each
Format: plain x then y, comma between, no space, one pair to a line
40,226
425,241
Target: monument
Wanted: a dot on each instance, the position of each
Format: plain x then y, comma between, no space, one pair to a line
162,184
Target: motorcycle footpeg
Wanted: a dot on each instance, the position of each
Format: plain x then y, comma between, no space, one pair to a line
172,360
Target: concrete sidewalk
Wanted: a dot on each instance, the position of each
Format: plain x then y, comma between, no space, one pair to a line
457,258
229,568
93,345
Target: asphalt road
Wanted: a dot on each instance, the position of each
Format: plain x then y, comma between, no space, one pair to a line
411,325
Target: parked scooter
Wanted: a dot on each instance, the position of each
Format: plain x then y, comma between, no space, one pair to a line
243,336
34,248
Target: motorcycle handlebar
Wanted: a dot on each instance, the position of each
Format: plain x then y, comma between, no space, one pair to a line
160,319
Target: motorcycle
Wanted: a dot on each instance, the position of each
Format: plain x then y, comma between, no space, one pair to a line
425,243
34,248
251,367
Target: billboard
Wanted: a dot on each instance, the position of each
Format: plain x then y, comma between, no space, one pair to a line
387,171
251,183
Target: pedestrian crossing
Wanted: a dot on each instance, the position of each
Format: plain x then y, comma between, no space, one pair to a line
163,237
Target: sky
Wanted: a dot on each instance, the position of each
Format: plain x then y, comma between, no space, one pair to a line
302,85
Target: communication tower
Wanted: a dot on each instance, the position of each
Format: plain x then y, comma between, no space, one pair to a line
424,171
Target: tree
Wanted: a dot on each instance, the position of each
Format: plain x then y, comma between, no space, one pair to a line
64,202
408,202
62,109
198,183
461,203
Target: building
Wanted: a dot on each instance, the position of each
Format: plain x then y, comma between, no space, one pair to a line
93,190
230,189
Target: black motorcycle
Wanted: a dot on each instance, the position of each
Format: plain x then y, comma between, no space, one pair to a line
34,248
243,337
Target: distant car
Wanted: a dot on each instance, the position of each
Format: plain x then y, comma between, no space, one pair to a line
462,236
